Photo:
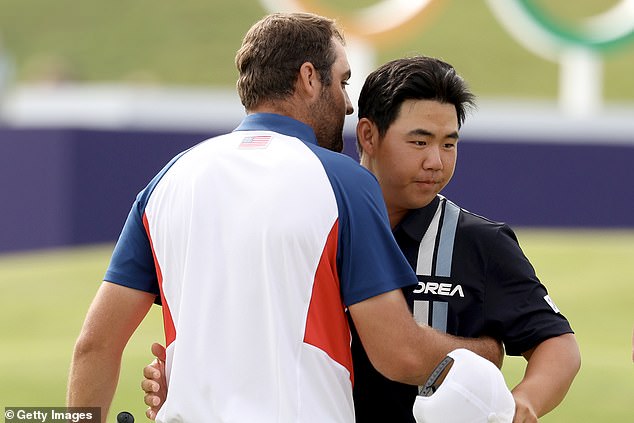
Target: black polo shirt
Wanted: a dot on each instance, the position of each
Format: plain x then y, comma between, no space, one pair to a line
474,280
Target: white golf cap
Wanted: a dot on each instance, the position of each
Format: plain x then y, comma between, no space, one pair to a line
473,391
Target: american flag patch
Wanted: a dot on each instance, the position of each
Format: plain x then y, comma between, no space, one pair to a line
257,141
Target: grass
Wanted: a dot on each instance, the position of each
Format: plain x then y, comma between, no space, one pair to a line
45,298
193,42
589,274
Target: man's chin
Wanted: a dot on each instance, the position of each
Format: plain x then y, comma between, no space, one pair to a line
333,144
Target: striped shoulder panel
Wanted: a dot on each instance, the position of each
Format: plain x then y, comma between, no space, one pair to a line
435,252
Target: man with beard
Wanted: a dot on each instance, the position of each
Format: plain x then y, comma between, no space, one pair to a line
257,241
473,278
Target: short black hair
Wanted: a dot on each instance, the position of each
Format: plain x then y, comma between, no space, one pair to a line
412,78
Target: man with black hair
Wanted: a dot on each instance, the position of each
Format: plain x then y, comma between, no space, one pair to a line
258,242
473,278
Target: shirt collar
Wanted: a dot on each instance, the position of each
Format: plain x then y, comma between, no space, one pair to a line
278,123
416,222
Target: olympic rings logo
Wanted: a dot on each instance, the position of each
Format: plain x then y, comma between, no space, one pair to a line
576,48
613,28
379,23
523,19
546,36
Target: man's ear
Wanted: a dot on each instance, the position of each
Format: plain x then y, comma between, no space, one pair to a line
308,82
367,136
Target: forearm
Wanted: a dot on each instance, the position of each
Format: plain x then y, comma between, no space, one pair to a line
83,390
438,344
113,316
551,368
485,346
402,350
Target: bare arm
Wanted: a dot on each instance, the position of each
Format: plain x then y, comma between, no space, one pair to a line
401,349
552,366
397,346
114,315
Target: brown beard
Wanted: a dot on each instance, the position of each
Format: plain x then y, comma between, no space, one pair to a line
327,135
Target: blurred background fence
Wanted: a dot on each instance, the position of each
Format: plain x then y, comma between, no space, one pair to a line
74,185
98,97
